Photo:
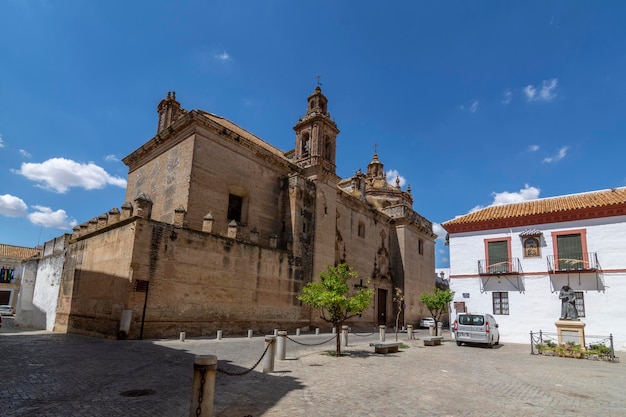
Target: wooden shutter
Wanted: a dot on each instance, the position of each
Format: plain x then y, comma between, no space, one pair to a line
498,253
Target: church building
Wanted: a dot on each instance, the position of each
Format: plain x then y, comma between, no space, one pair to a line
222,230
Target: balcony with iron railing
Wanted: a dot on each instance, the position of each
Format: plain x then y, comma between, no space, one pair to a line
579,262
500,266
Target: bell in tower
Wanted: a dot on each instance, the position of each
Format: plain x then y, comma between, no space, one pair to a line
316,135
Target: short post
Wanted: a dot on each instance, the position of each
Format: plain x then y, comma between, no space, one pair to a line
182,336
381,332
344,335
275,332
532,344
334,330
612,349
439,328
203,385
219,335
409,331
317,330
270,355
281,345
298,331
249,334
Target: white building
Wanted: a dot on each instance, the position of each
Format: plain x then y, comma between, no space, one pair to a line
512,260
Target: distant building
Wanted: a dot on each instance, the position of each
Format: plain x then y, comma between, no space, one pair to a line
221,230
12,270
512,260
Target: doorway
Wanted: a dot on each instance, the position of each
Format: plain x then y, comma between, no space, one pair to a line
382,306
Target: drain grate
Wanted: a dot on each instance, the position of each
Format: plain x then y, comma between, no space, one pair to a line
138,393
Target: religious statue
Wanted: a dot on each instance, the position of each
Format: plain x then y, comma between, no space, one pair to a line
568,303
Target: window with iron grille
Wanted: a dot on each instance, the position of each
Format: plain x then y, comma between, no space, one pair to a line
500,303
580,303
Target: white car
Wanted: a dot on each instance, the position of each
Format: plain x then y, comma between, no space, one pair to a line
425,323
476,328
6,310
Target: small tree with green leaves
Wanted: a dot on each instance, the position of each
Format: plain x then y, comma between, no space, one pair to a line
398,300
437,302
330,296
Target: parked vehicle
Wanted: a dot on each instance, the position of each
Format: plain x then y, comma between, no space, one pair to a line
425,323
476,328
6,310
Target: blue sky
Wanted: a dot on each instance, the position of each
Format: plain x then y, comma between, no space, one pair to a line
470,103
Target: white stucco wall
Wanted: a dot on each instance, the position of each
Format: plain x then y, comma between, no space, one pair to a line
537,307
39,291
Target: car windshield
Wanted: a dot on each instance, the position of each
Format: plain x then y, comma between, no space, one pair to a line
471,320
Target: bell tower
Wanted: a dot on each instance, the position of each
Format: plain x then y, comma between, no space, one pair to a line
316,135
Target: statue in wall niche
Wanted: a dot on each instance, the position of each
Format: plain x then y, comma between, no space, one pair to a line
568,303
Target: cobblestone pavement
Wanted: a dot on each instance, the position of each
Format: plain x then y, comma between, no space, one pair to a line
61,375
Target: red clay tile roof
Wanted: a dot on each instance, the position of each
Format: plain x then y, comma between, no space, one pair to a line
603,203
17,252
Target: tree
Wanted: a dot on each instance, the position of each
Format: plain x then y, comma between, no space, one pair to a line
437,302
398,299
329,295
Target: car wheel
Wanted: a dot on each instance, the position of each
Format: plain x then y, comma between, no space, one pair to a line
497,341
458,343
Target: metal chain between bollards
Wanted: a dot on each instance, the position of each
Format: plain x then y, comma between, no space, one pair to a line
312,344
362,335
201,393
223,371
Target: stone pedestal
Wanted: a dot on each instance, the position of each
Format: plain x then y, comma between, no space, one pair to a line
571,331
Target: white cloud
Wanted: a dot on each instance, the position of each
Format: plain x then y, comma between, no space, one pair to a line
526,193
12,206
223,56
440,232
1,141
392,174
24,154
508,96
533,148
559,155
44,216
546,93
472,107
60,174
111,158
506,197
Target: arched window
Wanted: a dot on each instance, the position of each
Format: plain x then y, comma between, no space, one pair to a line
306,144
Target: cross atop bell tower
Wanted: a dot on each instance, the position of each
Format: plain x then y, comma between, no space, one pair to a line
316,134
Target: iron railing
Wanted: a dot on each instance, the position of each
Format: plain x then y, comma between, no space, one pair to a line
499,266
573,262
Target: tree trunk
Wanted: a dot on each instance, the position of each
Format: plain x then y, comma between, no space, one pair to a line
338,333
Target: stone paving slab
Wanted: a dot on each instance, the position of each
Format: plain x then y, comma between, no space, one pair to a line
50,374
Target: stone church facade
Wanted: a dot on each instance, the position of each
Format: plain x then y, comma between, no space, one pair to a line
221,230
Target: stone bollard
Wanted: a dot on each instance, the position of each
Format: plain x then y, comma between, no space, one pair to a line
334,330
219,335
270,355
249,334
275,332
409,331
182,336
344,335
203,385
298,332
381,331
317,330
439,328
281,345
